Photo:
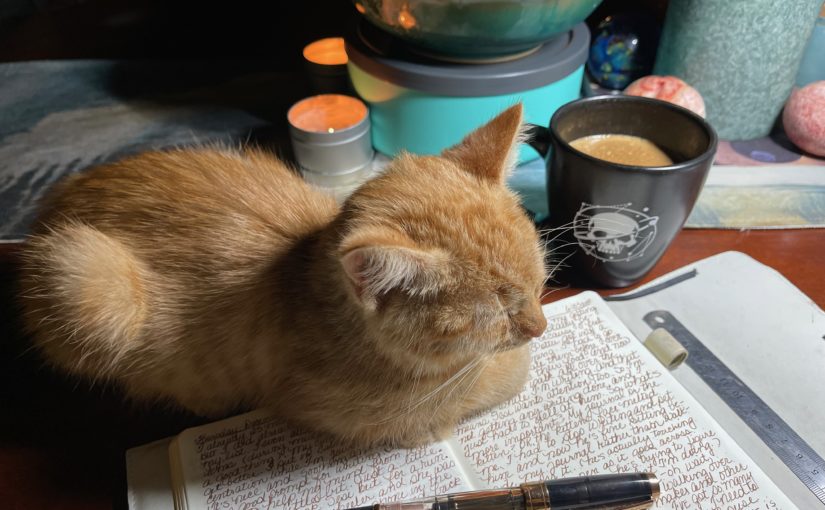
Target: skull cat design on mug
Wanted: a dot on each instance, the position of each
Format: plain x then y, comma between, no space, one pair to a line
614,233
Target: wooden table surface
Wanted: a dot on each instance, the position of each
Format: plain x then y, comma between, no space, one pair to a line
62,444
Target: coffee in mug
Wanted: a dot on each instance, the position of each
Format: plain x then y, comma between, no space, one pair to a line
624,149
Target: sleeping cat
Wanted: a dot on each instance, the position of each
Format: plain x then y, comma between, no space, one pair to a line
218,280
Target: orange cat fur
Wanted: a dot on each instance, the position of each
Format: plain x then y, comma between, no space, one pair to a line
218,280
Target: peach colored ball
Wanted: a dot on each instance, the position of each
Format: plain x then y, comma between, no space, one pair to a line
804,118
670,89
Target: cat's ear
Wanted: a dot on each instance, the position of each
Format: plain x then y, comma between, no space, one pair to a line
490,151
380,260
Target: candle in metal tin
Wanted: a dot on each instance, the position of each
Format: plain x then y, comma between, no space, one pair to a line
326,63
330,136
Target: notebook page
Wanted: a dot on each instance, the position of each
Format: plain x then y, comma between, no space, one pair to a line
255,461
599,402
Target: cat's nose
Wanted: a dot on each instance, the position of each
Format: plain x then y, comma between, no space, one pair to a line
532,325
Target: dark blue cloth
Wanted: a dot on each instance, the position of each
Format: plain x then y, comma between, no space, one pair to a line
58,117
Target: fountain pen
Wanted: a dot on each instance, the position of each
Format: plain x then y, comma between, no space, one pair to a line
607,492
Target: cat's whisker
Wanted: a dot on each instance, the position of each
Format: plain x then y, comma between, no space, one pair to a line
473,383
469,366
458,383
418,372
550,280
561,254
550,291
432,393
559,251
565,226
550,242
445,397
466,391
563,259
562,229
555,249
557,262
556,232
558,265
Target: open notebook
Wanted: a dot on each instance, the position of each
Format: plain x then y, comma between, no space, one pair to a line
597,402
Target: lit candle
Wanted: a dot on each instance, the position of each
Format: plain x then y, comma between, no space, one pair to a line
326,63
330,136
329,51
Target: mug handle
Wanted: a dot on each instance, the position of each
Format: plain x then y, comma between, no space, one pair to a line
538,137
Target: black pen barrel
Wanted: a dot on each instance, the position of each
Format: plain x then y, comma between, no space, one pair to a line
588,491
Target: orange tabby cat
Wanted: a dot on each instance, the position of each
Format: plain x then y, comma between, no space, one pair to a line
218,280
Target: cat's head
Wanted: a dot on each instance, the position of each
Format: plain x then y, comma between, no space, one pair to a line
439,254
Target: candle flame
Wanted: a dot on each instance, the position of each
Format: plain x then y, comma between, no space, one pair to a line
405,17
331,130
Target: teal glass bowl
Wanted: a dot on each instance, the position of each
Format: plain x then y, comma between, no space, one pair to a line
475,29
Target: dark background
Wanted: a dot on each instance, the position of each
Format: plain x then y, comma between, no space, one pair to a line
168,29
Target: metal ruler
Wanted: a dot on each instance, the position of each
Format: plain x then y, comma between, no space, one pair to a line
800,458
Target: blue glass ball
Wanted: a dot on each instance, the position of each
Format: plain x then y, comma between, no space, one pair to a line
623,49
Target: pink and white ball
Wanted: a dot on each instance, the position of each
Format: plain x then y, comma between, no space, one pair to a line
804,118
670,89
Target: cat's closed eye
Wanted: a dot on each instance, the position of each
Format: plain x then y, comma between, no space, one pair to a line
510,298
456,326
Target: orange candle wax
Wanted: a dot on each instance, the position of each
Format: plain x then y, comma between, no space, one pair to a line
327,113
329,51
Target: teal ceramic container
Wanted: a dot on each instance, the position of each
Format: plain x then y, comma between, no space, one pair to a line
424,106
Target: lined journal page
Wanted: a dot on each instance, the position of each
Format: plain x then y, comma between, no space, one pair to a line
599,402
255,461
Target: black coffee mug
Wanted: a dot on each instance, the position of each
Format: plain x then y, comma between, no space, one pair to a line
619,218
